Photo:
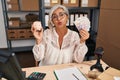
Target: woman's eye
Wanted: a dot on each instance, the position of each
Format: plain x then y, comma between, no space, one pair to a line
61,14
54,16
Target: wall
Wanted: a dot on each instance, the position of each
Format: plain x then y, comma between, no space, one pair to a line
108,32
3,41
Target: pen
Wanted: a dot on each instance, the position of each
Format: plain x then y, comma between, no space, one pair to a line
75,76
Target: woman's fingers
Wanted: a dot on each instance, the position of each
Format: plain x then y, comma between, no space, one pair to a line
38,33
84,34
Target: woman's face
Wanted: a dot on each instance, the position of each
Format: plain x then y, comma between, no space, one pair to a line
59,18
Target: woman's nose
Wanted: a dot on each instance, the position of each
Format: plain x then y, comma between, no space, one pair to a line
58,18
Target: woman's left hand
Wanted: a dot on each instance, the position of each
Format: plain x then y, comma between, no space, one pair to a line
84,35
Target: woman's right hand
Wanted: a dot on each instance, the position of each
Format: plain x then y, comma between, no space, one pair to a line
37,31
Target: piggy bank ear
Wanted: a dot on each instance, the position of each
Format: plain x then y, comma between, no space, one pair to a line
36,25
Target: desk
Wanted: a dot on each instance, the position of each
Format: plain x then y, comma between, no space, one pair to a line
49,70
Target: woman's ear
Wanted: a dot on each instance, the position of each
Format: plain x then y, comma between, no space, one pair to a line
67,19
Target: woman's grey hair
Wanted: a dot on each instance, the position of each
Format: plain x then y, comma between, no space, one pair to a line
50,23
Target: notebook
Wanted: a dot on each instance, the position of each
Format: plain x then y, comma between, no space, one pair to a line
72,73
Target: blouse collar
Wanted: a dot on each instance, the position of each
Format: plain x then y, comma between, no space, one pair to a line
54,32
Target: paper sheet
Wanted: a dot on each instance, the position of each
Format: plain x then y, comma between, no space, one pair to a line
46,20
71,19
67,74
116,78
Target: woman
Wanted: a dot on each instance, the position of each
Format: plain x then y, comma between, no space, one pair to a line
58,44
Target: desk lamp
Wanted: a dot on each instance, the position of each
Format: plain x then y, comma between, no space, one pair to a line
99,52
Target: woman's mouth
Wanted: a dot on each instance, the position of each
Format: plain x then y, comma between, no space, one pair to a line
59,23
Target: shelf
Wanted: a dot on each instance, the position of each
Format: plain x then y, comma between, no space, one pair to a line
22,39
19,28
19,49
78,8
41,12
21,11
73,9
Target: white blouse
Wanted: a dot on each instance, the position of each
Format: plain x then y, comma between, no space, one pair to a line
48,52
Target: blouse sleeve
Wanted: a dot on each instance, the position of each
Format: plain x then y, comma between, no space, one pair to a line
80,50
38,51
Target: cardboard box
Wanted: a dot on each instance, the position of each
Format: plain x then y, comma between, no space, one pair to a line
21,33
12,34
70,3
50,3
14,22
110,4
109,74
25,24
108,36
12,1
89,3
29,34
47,3
54,2
29,5
12,7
